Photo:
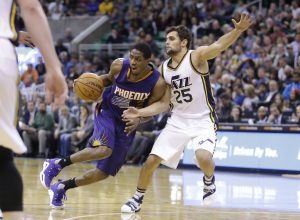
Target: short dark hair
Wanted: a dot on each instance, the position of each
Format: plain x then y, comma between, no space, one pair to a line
144,48
183,33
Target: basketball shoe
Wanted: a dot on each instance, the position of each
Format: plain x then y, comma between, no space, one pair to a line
132,205
50,170
57,194
209,187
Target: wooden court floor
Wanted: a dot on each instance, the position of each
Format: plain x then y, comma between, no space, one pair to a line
174,195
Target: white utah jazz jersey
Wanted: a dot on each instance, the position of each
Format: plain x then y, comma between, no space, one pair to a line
191,93
7,19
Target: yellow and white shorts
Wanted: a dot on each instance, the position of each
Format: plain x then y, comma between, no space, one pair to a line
9,76
172,140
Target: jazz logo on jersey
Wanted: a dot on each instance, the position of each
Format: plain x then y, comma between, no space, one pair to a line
178,83
181,89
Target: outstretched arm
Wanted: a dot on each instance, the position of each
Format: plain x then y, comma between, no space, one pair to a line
38,28
205,53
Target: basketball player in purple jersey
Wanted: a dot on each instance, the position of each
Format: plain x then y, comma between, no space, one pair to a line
133,82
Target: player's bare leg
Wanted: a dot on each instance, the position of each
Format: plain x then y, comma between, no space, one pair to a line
52,167
207,165
58,190
146,173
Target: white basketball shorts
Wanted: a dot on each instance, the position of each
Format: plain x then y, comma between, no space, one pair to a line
9,76
172,140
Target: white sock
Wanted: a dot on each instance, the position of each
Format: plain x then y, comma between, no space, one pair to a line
139,194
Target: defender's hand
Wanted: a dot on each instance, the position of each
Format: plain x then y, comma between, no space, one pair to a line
131,112
131,124
244,23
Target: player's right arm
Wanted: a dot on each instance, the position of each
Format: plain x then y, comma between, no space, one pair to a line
115,69
37,25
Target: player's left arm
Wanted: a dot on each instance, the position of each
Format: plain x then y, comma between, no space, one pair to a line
204,53
156,95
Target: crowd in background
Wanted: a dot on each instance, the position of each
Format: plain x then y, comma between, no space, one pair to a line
255,81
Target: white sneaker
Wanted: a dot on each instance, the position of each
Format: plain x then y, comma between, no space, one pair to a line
208,189
132,205
130,216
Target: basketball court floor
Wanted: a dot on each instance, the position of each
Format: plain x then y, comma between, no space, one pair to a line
174,195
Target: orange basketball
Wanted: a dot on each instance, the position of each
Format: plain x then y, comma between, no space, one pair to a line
88,87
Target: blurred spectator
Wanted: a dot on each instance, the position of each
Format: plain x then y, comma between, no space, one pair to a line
275,116
294,86
114,37
27,117
262,115
59,47
30,76
68,35
56,9
85,128
41,130
41,69
235,115
296,116
92,7
225,107
149,40
250,98
106,7
67,123
273,90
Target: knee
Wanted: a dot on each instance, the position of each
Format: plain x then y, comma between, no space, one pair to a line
103,152
152,162
24,134
204,158
42,133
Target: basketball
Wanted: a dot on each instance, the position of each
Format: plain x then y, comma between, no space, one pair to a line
88,87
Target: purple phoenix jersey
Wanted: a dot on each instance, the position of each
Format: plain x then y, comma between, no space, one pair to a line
108,125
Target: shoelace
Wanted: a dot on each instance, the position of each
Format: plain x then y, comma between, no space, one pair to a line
58,197
132,204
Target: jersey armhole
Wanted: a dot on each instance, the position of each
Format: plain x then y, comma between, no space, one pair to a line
195,69
162,70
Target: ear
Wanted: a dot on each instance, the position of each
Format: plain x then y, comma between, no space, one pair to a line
184,43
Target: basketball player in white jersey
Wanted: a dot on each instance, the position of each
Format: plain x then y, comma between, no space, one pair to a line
192,105
11,187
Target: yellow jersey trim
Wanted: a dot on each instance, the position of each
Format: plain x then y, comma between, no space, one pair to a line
178,63
207,102
13,13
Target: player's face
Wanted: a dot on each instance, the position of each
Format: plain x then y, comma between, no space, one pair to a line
137,62
173,43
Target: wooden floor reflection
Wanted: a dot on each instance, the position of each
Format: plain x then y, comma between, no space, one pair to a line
174,195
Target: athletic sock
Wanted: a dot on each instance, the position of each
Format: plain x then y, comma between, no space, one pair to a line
69,184
65,162
208,180
139,195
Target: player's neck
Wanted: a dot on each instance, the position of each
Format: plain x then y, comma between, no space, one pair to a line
136,77
176,58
